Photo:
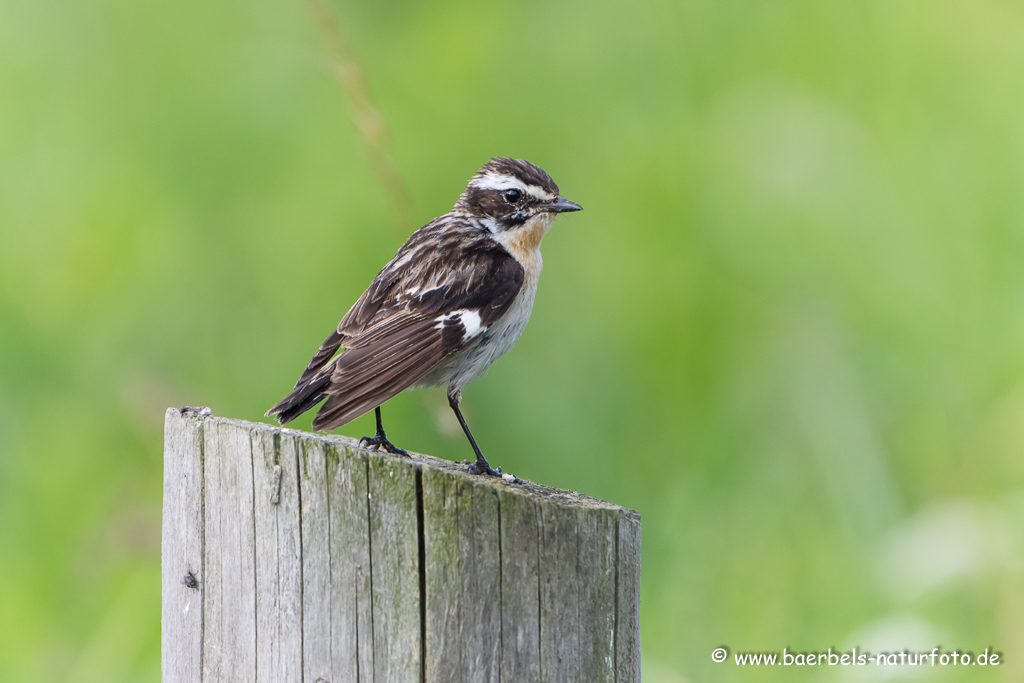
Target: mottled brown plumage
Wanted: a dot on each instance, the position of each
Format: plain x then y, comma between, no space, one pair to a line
454,298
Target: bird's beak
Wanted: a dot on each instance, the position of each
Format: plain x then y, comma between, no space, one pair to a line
562,205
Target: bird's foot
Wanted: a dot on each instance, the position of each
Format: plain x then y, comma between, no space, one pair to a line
380,440
481,467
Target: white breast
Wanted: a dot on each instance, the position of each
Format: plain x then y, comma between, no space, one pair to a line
499,338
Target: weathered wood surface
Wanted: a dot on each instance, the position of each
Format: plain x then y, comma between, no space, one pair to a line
316,560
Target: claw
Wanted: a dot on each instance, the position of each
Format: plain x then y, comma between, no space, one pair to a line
483,468
381,441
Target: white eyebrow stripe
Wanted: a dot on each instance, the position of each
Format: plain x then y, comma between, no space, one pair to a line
503,181
539,193
498,181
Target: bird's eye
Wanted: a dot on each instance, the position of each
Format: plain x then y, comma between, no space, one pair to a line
512,196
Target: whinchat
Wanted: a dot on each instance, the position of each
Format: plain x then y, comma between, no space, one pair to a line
455,297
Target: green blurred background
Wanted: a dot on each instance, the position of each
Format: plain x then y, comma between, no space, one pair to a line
788,328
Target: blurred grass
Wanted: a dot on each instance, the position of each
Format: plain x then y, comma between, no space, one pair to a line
787,329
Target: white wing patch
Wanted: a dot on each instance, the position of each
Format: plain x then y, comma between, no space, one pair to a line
503,181
469,319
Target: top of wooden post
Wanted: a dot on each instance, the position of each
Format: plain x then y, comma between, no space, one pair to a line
520,486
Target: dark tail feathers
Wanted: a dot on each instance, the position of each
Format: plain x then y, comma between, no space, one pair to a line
300,400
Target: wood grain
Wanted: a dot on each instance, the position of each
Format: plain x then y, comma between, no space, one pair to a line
463,578
317,560
520,587
278,557
394,568
229,595
181,551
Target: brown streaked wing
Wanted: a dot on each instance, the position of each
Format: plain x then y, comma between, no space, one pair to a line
393,278
369,375
392,339
368,305
354,323
323,354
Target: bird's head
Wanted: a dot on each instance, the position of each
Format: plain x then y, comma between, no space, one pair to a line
507,193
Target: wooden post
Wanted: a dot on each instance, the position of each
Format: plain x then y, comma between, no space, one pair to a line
290,556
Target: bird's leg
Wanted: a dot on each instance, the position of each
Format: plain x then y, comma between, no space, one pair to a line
380,439
480,466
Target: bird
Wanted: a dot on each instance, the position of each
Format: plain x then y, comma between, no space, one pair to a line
456,297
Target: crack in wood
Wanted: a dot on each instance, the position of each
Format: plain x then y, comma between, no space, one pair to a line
350,565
